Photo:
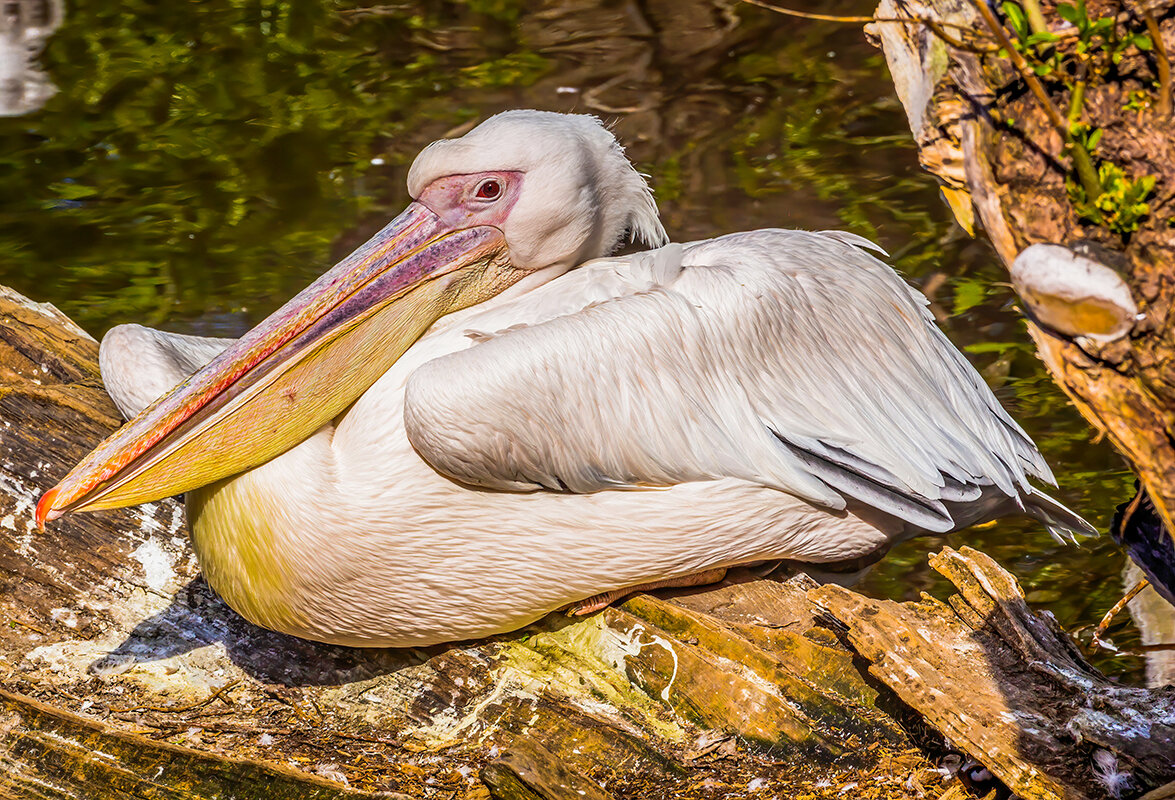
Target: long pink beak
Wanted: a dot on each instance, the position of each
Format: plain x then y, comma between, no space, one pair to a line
294,372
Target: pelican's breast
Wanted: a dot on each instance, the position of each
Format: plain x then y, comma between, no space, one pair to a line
260,541
243,559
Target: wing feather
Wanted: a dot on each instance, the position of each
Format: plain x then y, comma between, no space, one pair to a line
789,359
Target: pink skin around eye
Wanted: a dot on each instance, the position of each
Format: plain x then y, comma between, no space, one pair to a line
455,200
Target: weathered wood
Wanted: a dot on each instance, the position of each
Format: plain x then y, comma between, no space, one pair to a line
532,772
1002,164
1162,793
1007,683
44,750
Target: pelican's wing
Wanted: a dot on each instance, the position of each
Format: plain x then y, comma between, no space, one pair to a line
791,359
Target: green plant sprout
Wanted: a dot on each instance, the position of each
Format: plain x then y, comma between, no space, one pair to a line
1138,100
1099,41
1085,136
1120,204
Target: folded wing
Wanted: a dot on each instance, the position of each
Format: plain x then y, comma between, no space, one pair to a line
790,359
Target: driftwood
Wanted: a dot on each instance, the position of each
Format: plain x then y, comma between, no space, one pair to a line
123,674
994,143
1026,693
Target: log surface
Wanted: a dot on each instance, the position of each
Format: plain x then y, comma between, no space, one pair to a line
998,679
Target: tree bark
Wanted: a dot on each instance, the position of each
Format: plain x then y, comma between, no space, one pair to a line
1004,167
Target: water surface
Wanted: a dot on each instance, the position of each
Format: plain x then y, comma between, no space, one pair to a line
201,162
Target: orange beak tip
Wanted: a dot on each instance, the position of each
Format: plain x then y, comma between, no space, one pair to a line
45,510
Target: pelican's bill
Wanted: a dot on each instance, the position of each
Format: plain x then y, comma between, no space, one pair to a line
297,370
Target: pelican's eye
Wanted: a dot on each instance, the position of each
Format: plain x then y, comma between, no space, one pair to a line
488,190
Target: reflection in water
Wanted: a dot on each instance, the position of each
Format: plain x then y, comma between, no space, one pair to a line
199,164
24,27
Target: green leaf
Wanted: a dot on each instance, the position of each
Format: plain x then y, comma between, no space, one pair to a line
1069,13
1016,18
1093,139
1143,42
968,294
979,348
1042,37
1100,26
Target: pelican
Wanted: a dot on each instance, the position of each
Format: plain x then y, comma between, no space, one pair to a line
481,415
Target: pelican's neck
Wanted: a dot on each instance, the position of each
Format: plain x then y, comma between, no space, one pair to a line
531,282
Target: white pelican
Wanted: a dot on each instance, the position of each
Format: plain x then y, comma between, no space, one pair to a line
478,417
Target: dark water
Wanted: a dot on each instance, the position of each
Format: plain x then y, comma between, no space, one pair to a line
203,161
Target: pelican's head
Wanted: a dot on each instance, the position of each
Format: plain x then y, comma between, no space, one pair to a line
557,185
526,193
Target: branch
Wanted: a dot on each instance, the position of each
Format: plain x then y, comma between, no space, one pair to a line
934,24
1152,27
1081,160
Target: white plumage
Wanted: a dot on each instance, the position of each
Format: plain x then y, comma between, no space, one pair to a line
763,395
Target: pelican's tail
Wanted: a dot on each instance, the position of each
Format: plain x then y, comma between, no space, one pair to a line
1065,525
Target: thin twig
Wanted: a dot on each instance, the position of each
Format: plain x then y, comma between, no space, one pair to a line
791,12
935,25
1023,69
1152,27
1034,16
855,20
357,737
298,711
1117,609
32,628
181,709
1081,160
1077,98
375,11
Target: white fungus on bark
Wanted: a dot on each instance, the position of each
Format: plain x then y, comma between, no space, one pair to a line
1072,294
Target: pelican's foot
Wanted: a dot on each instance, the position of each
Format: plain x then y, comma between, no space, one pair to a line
598,601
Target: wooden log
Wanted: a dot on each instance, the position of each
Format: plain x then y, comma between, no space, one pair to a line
45,749
118,664
1007,683
532,772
